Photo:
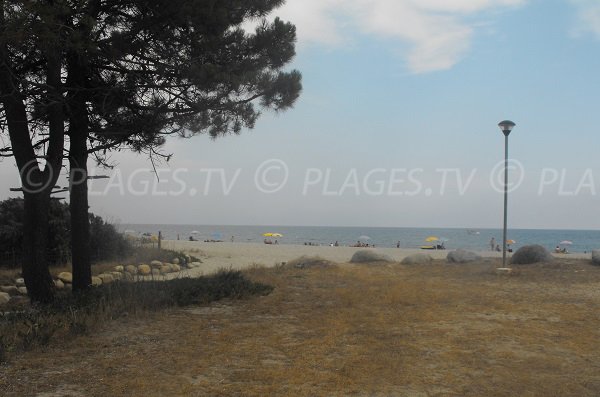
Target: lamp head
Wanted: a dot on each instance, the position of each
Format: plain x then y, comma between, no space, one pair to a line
506,126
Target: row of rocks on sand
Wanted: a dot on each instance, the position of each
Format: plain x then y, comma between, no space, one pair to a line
15,292
64,280
528,254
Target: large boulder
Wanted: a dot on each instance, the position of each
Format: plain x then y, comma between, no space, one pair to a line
23,290
417,259
596,257
531,254
4,298
307,262
119,268
20,282
462,256
165,269
365,256
175,261
96,281
175,267
59,284
66,277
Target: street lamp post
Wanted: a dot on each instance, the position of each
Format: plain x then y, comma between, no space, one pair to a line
506,126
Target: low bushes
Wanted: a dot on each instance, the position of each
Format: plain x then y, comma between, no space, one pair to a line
73,314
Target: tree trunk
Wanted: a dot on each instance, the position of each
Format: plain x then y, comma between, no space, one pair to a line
38,281
80,222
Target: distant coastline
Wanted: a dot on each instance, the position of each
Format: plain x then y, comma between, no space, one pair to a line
386,237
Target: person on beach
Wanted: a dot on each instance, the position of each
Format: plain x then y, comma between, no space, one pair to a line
498,247
492,243
398,244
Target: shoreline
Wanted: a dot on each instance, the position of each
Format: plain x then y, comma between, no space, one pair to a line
240,256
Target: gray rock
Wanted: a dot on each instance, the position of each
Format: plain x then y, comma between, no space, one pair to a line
596,257
156,272
59,284
4,298
417,259
96,281
12,290
175,267
462,256
307,262
365,256
119,268
175,261
23,290
20,282
531,254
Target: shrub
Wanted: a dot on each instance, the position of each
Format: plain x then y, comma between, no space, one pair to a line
74,314
105,242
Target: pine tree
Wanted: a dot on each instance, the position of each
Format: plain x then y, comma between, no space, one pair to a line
112,75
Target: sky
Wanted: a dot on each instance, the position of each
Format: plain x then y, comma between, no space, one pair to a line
397,126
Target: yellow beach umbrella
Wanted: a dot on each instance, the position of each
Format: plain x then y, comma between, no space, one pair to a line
431,239
272,234
510,241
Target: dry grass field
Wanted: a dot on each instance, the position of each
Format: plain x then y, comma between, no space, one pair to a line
350,330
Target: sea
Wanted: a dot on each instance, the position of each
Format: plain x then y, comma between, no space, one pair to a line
581,241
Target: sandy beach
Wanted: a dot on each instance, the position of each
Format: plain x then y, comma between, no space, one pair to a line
217,256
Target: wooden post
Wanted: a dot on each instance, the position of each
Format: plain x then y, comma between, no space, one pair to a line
159,238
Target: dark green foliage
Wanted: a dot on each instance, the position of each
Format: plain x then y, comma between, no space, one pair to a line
106,242
74,314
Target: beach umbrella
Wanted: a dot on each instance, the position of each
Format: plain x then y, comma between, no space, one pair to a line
195,232
431,239
272,234
364,238
511,242
566,242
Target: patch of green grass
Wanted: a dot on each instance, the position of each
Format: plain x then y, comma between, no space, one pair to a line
75,314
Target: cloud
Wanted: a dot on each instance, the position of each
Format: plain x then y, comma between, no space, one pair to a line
588,14
433,34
